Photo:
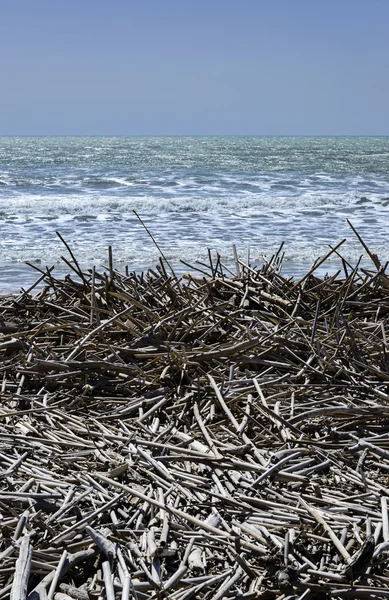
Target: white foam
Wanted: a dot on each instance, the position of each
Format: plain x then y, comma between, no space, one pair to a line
95,203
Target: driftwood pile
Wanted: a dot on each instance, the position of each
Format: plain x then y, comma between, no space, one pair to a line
220,435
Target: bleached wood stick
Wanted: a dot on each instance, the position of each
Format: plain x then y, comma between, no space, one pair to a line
57,575
336,541
22,570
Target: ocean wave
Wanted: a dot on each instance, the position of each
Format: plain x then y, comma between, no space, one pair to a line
198,180
106,182
75,204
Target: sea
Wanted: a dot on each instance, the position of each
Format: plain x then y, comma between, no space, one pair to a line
193,194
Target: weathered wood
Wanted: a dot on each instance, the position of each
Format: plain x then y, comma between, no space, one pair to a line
223,437
22,570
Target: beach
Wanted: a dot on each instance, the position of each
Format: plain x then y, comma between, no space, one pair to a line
220,434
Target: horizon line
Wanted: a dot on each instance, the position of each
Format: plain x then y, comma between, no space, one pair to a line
183,135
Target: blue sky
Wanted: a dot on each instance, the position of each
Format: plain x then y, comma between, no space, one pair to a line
177,67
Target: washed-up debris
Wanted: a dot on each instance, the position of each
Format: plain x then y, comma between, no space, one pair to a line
219,435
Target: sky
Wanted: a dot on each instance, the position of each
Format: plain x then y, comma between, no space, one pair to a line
194,67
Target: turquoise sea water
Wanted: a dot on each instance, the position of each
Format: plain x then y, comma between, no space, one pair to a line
193,193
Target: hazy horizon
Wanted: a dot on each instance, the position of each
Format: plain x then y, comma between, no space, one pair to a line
194,68
193,135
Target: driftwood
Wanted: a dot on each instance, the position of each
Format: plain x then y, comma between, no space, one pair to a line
212,436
